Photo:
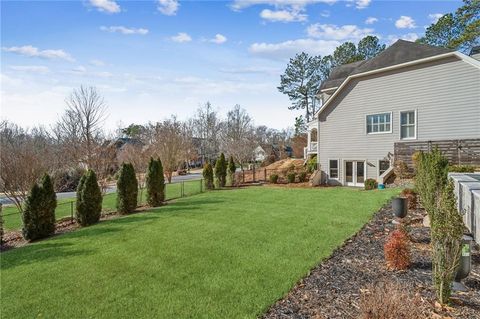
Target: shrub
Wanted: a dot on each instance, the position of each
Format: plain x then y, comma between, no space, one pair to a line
312,164
370,184
400,169
302,177
397,250
208,176
231,170
447,230
155,183
412,197
67,180
461,169
89,200
47,222
391,300
273,178
221,170
127,189
39,212
291,177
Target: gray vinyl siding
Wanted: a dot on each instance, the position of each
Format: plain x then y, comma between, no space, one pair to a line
445,95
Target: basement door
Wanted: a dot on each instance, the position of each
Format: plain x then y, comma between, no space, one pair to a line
355,173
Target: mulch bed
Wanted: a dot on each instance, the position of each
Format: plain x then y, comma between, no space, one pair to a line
13,239
333,288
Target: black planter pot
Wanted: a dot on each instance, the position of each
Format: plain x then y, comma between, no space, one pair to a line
400,207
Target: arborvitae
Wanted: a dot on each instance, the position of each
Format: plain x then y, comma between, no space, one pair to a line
89,200
47,216
221,170
231,170
127,189
154,183
208,176
161,179
33,207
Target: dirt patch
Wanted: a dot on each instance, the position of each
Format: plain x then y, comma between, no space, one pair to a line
333,289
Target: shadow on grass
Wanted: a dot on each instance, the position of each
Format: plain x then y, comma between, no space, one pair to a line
42,252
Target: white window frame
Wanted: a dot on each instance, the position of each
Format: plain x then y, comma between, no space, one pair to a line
338,168
375,133
400,125
378,165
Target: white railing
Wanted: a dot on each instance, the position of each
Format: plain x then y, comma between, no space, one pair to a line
313,147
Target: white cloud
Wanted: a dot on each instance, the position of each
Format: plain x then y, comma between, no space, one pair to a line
325,13
287,49
333,32
181,37
168,7
30,68
242,4
435,16
405,22
124,30
219,39
31,51
109,6
97,62
362,4
408,37
283,15
371,20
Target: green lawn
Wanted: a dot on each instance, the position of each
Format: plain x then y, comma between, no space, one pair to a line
13,219
221,254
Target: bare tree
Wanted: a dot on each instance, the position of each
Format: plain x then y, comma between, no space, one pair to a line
81,124
238,135
206,127
171,143
24,158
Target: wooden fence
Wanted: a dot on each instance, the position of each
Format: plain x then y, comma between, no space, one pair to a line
458,152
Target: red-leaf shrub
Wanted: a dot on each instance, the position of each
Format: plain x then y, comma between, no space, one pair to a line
397,250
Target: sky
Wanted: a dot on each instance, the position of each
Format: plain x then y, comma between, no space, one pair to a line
152,59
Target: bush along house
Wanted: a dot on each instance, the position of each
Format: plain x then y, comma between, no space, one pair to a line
410,97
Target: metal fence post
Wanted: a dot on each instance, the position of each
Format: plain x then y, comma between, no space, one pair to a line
254,173
265,174
201,185
183,189
71,211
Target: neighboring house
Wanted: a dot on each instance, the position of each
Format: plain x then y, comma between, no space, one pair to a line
259,154
409,92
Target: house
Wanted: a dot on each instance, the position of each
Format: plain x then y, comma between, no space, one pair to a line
259,154
409,92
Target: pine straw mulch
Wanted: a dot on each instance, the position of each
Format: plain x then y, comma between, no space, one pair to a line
13,238
333,289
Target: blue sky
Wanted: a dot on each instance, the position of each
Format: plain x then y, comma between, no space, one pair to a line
151,59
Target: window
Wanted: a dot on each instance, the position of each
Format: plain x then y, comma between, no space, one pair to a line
379,123
383,165
333,168
407,124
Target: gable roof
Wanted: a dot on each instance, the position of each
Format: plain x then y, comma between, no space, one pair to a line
400,52
428,58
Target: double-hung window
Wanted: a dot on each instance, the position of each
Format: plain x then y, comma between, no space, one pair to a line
379,123
333,168
408,121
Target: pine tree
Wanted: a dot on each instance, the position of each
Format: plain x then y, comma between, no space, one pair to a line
89,200
127,189
208,176
231,170
154,183
221,170
46,225
33,206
